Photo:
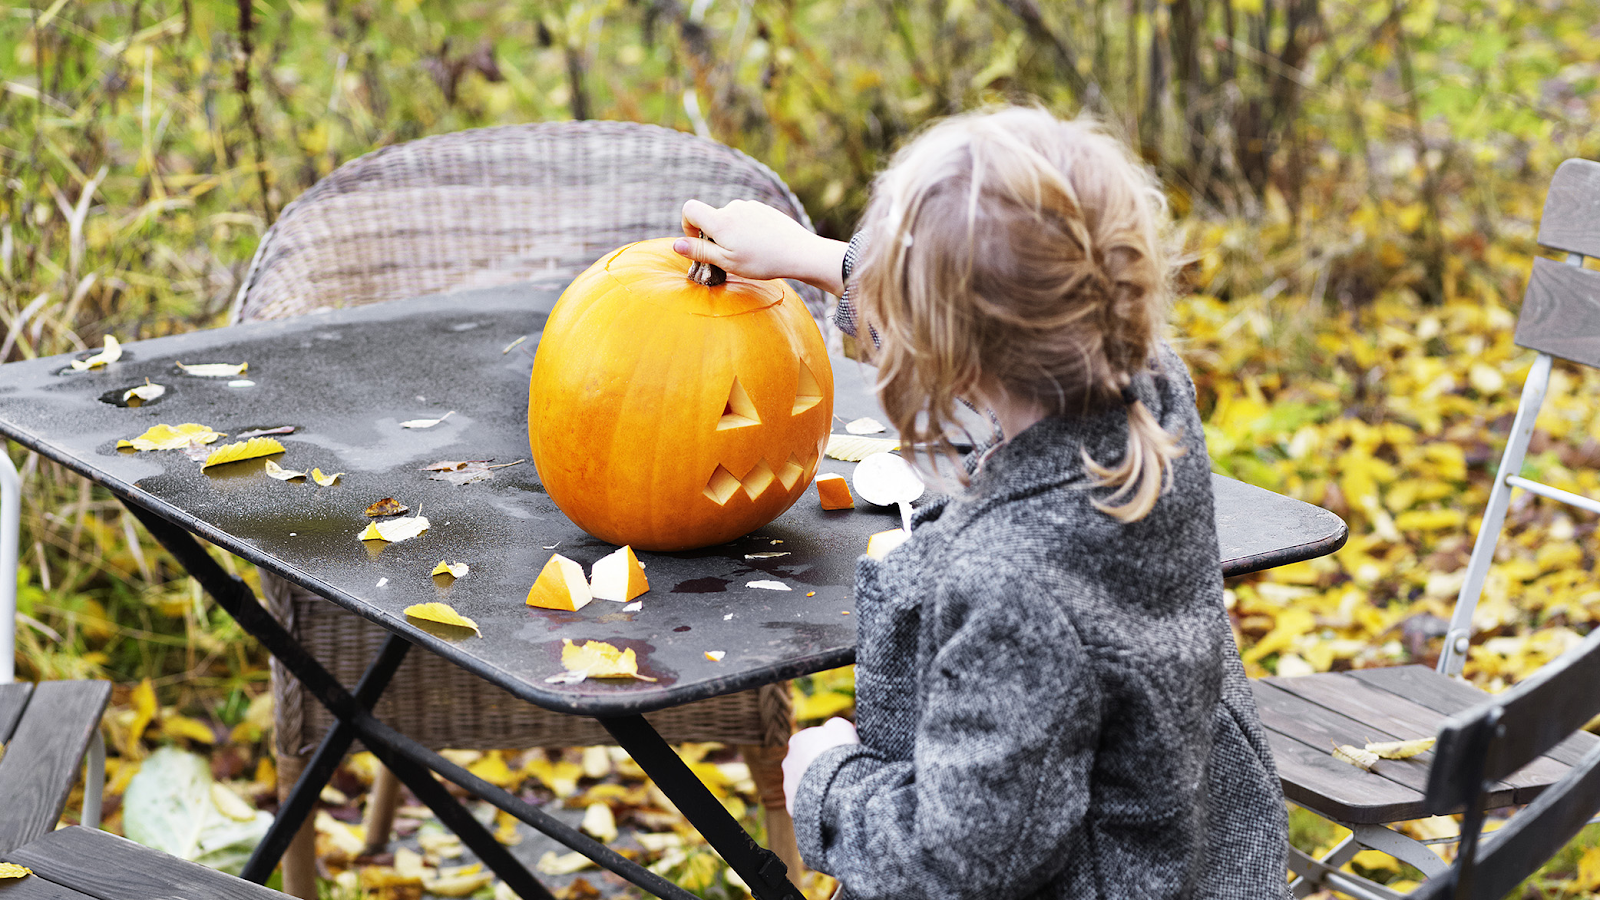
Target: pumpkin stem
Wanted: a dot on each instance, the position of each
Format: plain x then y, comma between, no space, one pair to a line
705,273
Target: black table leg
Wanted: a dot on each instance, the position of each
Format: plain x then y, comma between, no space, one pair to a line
390,746
760,868
320,768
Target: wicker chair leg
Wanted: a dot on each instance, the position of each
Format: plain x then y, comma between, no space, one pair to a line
766,770
381,803
300,860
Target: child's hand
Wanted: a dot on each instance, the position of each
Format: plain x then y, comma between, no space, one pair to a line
806,745
753,240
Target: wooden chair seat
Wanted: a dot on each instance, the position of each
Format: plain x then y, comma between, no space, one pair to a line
1311,715
1307,716
44,730
78,863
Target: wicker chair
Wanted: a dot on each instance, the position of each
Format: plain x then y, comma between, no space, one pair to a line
521,203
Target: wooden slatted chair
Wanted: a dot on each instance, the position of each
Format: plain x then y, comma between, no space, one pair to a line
46,731
523,203
1306,716
1494,740
78,863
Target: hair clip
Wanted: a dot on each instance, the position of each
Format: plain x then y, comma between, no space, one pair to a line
1129,398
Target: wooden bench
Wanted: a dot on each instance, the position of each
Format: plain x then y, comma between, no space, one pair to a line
44,731
78,863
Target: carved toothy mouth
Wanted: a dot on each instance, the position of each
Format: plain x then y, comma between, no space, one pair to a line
724,484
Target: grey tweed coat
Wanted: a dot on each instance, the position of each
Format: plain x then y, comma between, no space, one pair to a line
1050,702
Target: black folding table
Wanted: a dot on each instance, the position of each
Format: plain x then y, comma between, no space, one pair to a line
346,380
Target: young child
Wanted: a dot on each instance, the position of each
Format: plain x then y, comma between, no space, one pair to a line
1049,700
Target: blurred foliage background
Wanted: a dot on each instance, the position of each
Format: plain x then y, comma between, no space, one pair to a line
1358,185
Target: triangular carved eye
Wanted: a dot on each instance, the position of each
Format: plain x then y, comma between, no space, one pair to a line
738,411
808,393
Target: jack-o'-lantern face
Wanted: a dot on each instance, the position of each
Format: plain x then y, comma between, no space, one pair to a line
669,415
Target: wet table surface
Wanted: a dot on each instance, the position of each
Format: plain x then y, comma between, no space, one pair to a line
346,379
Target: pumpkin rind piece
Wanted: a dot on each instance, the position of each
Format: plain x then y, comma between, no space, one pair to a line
617,576
834,492
560,585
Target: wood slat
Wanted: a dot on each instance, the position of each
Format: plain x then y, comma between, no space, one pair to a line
44,754
108,867
33,887
1561,312
1407,720
13,699
1423,685
1571,219
1315,780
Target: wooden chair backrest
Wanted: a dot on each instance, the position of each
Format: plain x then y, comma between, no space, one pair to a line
1494,739
1561,308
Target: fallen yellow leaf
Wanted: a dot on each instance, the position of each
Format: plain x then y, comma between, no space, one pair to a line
460,881
1401,749
855,448
12,870
144,393
396,530
598,659
279,472
552,863
215,370
242,450
324,480
426,423
454,570
442,614
172,437
144,705
111,353
175,726
1355,756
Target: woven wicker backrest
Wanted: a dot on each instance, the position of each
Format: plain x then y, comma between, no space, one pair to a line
536,202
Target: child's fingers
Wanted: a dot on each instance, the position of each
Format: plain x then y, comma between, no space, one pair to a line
697,217
701,250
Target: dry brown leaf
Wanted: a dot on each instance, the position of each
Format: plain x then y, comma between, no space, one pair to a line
442,614
110,354
466,471
324,480
396,530
242,450
388,506
261,432
279,472
172,437
215,370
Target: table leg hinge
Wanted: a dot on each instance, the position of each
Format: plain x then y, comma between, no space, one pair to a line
776,876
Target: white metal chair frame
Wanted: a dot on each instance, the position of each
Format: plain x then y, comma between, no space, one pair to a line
1571,223
94,760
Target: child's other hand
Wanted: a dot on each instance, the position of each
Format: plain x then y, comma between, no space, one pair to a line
806,745
753,240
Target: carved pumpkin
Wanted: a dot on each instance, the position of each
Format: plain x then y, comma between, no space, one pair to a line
670,414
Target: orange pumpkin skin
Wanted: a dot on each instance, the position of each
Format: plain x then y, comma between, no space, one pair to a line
670,415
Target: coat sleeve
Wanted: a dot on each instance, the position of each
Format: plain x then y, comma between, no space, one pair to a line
992,800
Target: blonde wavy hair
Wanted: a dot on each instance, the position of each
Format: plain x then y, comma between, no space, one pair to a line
1012,248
